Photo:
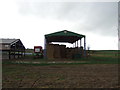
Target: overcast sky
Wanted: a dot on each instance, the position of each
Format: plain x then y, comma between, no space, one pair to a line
30,20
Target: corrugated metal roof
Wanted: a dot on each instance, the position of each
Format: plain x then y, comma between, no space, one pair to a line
8,41
65,33
63,36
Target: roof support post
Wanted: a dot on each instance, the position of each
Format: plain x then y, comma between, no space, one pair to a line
18,54
80,42
24,53
9,54
77,44
45,53
85,46
14,54
74,44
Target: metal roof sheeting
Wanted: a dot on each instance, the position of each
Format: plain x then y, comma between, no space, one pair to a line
65,33
63,36
8,41
12,43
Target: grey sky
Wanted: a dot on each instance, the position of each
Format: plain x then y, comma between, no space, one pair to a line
98,17
30,20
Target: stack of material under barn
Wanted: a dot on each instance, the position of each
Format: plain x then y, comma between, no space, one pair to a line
55,51
60,51
50,51
71,52
63,51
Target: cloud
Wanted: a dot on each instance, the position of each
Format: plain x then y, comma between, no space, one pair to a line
30,20
97,17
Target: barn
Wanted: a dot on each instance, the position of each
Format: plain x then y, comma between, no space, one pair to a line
11,49
52,51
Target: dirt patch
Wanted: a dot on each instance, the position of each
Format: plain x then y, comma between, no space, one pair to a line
60,76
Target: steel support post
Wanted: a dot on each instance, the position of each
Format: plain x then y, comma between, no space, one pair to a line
77,44
80,42
85,46
45,53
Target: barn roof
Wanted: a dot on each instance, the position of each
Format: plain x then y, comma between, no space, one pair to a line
8,41
12,42
63,36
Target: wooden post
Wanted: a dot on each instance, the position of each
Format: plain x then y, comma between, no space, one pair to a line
85,46
18,54
14,54
14,50
9,55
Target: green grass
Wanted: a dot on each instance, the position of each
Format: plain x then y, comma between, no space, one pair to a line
90,60
97,57
103,60
105,52
17,73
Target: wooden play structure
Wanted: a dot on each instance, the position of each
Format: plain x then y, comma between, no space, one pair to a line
11,48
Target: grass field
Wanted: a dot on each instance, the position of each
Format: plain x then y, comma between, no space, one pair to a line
99,70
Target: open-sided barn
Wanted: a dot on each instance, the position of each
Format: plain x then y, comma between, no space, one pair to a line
60,51
11,48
